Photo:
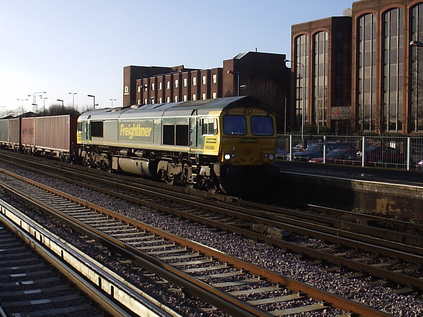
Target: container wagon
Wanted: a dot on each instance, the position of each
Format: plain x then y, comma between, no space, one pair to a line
53,136
10,132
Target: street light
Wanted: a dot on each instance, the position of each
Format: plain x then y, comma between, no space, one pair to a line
111,101
92,96
73,98
44,103
416,43
63,104
34,98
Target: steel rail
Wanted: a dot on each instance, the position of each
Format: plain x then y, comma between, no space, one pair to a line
343,237
346,228
334,238
81,283
269,212
271,276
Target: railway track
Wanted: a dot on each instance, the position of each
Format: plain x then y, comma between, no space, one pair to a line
234,286
34,282
388,254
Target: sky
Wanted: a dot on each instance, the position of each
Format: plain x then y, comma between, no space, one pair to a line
81,46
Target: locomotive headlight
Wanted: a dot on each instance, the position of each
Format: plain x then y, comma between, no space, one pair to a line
227,156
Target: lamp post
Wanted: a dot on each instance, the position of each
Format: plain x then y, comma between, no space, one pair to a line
44,103
92,96
73,98
63,103
416,43
111,101
34,98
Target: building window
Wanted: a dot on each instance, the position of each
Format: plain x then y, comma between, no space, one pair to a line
416,69
185,82
139,88
320,78
366,92
301,69
168,99
176,98
152,100
214,78
194,81
160,85
194,97
152,86
185,98
393,79
126,90
214,95
176,83
168,85
160,100
145,101
204,96
139,101
145,87
204,79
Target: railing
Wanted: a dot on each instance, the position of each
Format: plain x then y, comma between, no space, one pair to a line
405,153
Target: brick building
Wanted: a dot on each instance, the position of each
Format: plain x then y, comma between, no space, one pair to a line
321,65
387,86
261,75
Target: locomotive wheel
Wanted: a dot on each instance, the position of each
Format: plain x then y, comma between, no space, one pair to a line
170,180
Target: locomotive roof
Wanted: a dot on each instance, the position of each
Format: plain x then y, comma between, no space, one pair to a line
179,109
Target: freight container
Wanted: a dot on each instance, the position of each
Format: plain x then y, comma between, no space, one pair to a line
57,133
10,133
50,136
28,133
15,132
4,131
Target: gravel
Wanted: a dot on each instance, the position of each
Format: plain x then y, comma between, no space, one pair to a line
363,289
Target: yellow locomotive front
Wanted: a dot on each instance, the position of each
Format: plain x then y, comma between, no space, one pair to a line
248,144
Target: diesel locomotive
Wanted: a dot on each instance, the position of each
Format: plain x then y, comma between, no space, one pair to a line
209,144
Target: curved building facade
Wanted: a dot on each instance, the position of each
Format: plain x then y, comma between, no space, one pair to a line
387,72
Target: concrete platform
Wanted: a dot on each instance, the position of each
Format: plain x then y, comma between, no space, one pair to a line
388,192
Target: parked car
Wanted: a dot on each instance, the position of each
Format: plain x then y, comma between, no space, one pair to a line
281,154
386,155
315,150
339,156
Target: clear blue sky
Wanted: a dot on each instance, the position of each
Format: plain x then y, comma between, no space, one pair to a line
60,46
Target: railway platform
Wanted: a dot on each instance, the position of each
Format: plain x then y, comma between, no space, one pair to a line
389,192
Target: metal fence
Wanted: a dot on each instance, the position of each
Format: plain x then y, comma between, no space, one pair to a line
404,153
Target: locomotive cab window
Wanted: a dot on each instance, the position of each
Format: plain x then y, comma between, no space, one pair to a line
96,129
262,125
234,125
208,126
